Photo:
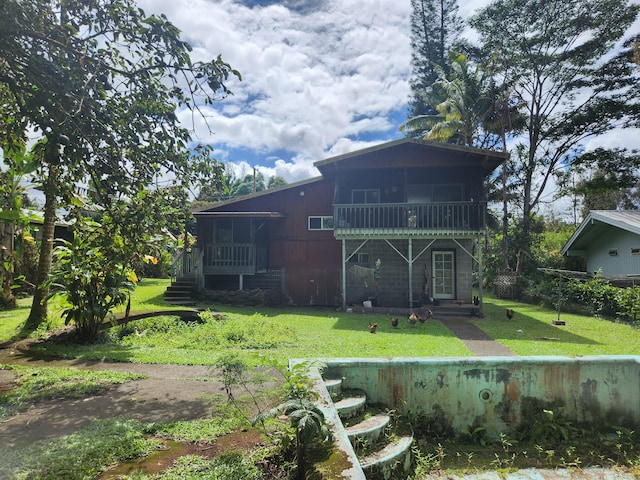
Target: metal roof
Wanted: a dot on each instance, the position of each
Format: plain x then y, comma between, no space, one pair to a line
596,224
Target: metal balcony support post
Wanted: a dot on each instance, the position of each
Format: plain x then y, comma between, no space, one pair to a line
344,273
480,277
410,264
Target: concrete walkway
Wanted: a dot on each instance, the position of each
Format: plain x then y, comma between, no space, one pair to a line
476,340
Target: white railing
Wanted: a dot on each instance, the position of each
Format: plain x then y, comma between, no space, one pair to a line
450,217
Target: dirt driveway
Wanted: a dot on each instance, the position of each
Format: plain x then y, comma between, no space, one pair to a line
171,392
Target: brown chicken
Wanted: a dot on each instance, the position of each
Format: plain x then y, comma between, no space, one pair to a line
413,318
509,313
372,327
394,322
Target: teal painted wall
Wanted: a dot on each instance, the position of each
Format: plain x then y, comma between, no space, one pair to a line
490,391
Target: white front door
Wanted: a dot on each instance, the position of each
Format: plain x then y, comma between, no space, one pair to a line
443,268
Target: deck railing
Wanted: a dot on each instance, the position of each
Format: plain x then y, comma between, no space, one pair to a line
450,218
229,258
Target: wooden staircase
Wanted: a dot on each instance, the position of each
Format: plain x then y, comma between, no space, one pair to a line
181,291
381,452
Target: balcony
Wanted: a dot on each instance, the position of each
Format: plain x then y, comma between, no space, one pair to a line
389,220
229,259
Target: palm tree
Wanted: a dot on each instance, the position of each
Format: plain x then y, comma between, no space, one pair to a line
464,110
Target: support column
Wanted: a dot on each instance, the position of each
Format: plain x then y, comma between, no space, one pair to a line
344,273
480,279
410,263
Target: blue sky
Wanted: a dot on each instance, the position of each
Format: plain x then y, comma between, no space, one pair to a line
320,78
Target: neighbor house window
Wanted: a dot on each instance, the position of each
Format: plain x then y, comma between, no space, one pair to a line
613,252
321,223
635,250
365,196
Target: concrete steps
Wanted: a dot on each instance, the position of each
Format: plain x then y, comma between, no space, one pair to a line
181,291
381,457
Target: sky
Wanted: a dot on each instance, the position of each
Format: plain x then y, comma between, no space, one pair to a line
319,77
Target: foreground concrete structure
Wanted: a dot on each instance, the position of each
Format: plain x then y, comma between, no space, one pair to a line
490,390
498,393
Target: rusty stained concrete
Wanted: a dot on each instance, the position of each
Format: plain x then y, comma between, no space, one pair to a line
490,390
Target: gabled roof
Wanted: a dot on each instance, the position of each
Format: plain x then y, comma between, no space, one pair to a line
597,223
413,152
206,211
404,152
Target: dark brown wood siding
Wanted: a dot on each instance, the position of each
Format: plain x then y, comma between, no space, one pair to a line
310,259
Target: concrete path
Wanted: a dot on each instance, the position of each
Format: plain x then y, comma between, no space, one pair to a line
476,340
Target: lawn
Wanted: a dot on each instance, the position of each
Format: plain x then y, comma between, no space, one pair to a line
531,331
277,335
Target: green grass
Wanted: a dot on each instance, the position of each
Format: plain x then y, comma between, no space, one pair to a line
531,331
270,334
147,296
81,455
281,334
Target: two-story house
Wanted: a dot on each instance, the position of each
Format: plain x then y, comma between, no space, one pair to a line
399,224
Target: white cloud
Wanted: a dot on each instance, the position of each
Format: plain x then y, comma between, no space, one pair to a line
312,83
319,79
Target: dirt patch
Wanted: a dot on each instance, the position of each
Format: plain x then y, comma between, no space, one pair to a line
242,441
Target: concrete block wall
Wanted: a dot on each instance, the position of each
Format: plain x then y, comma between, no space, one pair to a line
391,287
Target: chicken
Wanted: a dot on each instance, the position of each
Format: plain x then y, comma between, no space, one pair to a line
509,313
429,314
422,319
476,300
138,333
413,318
372,327
394,322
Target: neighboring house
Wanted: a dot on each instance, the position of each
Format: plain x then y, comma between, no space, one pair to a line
609,241
397,224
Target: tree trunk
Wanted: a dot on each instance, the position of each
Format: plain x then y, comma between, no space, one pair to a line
505,220
38,312
8,264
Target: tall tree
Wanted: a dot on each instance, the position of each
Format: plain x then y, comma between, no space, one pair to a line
604,179
100,81
557,55
435,30
466,107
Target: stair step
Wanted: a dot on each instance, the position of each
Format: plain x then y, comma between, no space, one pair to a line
368,430
396,453
185,302
351,406
333,385
179,288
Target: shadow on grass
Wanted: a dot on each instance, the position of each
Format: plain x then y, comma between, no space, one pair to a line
496,324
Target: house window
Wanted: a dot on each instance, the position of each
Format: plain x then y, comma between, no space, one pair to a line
365,196
613,252
635,250
321,223
360,258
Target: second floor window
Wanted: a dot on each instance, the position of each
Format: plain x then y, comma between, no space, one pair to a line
365,196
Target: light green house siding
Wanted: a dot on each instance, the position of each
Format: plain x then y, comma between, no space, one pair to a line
616,254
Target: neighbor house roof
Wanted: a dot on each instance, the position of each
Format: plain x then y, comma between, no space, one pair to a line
597,223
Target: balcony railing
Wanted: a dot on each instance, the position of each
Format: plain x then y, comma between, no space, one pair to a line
229,258
450,218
